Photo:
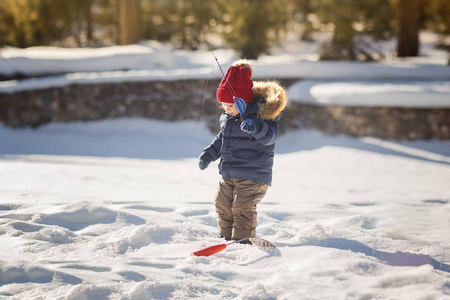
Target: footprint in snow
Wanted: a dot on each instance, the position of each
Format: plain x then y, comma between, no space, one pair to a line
24,274
152,208
25,227
435,201
152,265
87,268
85,216
194,212
362,204
279,216
9,207
133,276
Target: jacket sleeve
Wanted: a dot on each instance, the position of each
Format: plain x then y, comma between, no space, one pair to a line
215,147
269,133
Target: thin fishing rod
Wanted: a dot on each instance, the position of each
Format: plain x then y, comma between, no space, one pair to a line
223,75
239,103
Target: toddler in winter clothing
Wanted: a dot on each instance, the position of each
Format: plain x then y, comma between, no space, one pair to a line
245,145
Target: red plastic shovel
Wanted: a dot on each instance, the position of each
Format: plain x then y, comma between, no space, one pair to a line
214,249
261,243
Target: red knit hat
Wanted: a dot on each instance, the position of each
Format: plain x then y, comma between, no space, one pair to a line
238,78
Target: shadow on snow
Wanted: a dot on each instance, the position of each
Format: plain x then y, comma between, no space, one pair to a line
308,140
398,258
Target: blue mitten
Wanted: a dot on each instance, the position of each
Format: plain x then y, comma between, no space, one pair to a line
250,126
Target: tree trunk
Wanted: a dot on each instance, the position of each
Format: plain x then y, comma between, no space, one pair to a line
89,30
408,23
130,21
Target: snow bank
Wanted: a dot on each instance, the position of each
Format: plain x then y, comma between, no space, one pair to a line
299,69
152,61
53,60
14,86
416,94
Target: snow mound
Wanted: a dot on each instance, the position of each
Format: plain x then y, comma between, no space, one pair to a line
81,215
55,60
416,94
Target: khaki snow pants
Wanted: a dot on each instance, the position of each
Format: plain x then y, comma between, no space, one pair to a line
235,202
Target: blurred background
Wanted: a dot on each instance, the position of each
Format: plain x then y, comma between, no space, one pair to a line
250,27
361,68
105,106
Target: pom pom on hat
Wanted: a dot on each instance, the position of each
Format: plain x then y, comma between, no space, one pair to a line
238,77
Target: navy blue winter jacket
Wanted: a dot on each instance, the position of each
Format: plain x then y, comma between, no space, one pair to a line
244,155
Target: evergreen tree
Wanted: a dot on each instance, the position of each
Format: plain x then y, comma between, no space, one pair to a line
23,18
253,25
436,17
83,22
160,19
6,19
299,11
353,19
195,22
185,23
25,23
106,21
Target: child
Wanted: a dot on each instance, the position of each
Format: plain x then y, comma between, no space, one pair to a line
245,148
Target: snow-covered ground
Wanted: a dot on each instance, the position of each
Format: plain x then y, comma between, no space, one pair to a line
113,209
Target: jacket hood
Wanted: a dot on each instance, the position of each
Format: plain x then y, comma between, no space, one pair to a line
274,96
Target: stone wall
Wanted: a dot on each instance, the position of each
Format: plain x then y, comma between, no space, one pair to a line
391,123
170,101
187,99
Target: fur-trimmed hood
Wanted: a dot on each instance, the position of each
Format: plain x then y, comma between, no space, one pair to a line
274,96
